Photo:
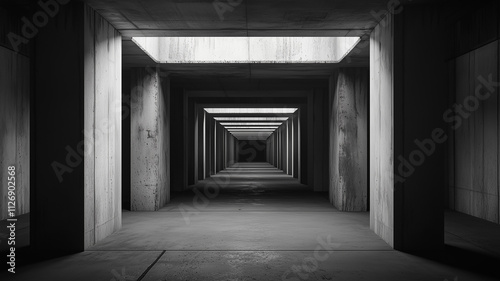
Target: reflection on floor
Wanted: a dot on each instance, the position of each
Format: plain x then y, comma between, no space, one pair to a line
253,222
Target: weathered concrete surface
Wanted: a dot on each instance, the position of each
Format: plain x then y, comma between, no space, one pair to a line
407,159
348,140
77,133
381,131
150,140
475,188
102,127
108,71
241,18
14,129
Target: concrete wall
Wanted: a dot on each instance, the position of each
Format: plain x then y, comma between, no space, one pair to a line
381,130
474,183
473,168
102,125
15,128
348,139
150,140
77,133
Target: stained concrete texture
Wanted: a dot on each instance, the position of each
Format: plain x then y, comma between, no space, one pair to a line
263,225
14,129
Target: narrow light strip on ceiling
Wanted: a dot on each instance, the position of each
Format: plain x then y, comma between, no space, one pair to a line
251,127
249,130
251,118
251,133
251,124
259,110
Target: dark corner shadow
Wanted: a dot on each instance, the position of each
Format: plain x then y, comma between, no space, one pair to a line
478,262
27,255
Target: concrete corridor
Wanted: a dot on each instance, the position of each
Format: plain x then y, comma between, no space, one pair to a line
261,224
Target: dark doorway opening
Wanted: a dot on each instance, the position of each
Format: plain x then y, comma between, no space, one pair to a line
251,151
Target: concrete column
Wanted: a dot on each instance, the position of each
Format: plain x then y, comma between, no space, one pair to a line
150,189
77,172
237,150
348,139
179,145
319,173
215,150
284,142
289,128
204,144
402,176
231,150
273,149
280,148
296,147
15,133
220,148
302,148
200,144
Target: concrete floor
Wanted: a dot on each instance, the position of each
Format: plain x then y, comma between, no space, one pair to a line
261,224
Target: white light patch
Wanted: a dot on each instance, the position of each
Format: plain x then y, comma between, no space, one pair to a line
250,124
250,127
246,49
251,118
251,133
251,130
259,110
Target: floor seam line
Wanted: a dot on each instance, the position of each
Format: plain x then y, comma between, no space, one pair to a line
150,266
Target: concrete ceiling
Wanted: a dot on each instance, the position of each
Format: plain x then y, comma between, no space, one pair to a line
241,17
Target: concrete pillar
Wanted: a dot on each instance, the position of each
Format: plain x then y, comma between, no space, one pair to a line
402,176
303,158
289,136
319,173
179,146
150,189
78,171
283,148
215,150
281,143
309,138
15,133
213,164
220,148
348,139
200,144
296,147
237,150
204,144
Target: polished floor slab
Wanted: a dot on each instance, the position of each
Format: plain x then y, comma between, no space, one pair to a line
253,222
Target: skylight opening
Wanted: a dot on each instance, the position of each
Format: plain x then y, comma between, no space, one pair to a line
251,130
250,110
250,124
251,127
251,118
246,49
